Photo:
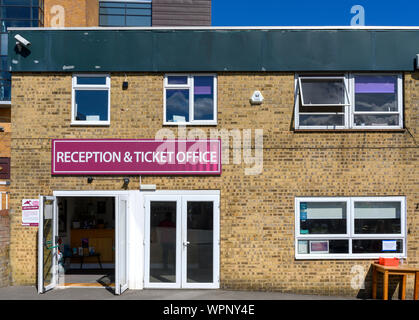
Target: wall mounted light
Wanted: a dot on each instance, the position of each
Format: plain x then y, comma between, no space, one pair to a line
89,179
126,182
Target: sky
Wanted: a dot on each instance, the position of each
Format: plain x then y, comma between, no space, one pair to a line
313,12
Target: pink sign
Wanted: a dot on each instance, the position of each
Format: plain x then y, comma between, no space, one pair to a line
135,157
30,212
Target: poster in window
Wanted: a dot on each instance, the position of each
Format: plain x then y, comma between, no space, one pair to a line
303,247
319,246
389,245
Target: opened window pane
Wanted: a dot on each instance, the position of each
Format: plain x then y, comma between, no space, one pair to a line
377,217
322,91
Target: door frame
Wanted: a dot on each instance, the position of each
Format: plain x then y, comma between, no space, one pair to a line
106,193
41,244
180,196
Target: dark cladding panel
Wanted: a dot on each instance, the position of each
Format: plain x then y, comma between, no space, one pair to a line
214,50
181,13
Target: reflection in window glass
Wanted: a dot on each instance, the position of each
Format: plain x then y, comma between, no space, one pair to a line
323,246
91,80
135,21
323,218
177,105
323,91
376,93
373,246
376,119
177,80
201,247
377,217
91,105
162,241
203,98
123,14
322,120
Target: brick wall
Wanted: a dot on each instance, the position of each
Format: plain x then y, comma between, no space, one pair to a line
257,212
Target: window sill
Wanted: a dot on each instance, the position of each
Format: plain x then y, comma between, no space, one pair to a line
175,124
390,130
90,123
359,256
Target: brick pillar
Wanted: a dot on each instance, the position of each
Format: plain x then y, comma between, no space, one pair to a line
4,248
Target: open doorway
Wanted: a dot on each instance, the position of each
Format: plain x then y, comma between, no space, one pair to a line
86,232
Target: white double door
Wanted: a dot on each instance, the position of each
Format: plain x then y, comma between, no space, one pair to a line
182,242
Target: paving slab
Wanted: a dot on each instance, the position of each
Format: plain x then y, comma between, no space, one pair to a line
30,293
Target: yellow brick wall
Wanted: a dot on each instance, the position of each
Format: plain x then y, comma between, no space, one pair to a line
257,212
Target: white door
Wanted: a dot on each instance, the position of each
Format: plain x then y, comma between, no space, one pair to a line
47,244
181,241
162,241
121,244
201,243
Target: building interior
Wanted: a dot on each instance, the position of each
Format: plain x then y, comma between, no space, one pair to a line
86,228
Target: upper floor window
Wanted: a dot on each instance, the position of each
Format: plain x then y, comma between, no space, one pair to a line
91,99
349,101
190,99
125,13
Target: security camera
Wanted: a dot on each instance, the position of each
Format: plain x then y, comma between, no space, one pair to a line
22,41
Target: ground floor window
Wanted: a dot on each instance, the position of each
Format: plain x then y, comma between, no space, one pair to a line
350,227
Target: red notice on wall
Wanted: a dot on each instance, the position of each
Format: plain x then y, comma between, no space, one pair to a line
135,157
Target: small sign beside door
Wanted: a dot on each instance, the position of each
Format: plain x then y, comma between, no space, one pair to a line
30,212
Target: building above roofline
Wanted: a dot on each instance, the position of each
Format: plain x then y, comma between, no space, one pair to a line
215,49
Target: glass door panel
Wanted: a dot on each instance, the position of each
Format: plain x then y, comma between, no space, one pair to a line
121,270
162,242
47,246
200,238
200,264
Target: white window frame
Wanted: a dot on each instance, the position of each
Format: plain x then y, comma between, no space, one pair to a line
349,106
103,87
350,234
399,102
189,86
